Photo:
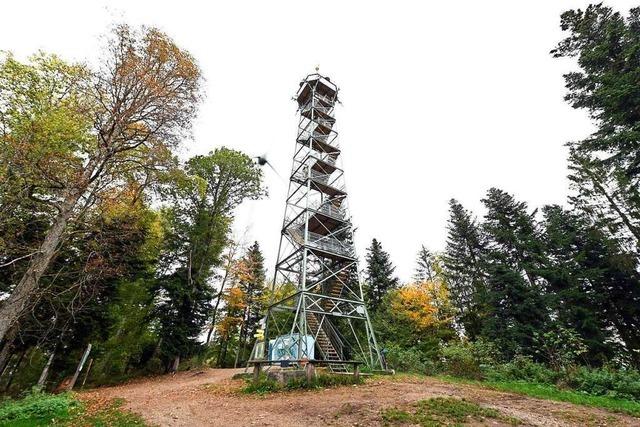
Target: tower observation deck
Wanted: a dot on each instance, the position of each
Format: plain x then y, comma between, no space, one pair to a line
325,318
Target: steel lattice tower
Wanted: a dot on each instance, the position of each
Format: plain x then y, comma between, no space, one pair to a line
316,253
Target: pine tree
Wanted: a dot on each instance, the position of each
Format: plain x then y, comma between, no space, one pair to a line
252,283
573,294
515,299
605,167
463,270
425,271
379,275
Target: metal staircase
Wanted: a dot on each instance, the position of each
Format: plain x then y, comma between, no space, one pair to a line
329,348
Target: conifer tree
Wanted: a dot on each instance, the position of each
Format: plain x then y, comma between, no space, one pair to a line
379,275
425,270
463,270
605,167
571,286
515,301
252,283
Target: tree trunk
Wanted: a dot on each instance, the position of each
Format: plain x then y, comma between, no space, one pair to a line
156,351
223,353
7,348
13,306
14,371
240,341
45,370
6,366
213,316
232,251
175,365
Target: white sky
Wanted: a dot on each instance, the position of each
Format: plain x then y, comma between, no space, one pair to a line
440,99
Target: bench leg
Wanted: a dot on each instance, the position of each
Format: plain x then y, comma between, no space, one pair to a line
256,373
310,370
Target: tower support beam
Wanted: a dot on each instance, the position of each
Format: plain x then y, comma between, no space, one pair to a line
325,318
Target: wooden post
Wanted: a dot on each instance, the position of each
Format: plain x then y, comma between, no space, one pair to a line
79,368
356,372
45,371
310,370
86,374
256,372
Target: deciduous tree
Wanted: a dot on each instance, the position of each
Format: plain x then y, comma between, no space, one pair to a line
71,132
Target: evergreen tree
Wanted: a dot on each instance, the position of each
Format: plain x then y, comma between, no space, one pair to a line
252,283
379,275
515,301
573,296
425,270
606,165
463,268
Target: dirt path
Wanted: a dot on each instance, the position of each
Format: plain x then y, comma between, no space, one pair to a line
211,398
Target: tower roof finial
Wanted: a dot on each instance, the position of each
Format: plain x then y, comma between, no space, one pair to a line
317,68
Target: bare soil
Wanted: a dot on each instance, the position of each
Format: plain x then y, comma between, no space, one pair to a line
211,398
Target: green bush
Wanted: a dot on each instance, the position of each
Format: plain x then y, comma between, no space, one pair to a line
267,385
409,360
468,359
322,381
522,368
560,347
37,408
621,383
263,386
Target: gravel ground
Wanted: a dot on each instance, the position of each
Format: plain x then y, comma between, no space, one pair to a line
211,398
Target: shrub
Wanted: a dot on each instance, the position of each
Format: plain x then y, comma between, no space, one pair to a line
468,359
560,347
263,386
522,368
621,383
267,385
37,408
409,360
322,381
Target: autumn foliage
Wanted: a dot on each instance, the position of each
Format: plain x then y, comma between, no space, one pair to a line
424,306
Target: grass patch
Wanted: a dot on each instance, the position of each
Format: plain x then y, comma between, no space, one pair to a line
42,409
443,411
267,385
551,392
263,386
38,409
111,416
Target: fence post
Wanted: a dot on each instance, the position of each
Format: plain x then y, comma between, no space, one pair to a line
79,368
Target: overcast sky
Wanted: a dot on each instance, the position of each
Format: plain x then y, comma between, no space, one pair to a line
440,99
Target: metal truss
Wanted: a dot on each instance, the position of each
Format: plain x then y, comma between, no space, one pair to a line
316,252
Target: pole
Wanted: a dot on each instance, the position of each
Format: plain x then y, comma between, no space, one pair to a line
45,371
86,374
79,368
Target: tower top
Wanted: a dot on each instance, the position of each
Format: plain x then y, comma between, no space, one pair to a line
316,83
